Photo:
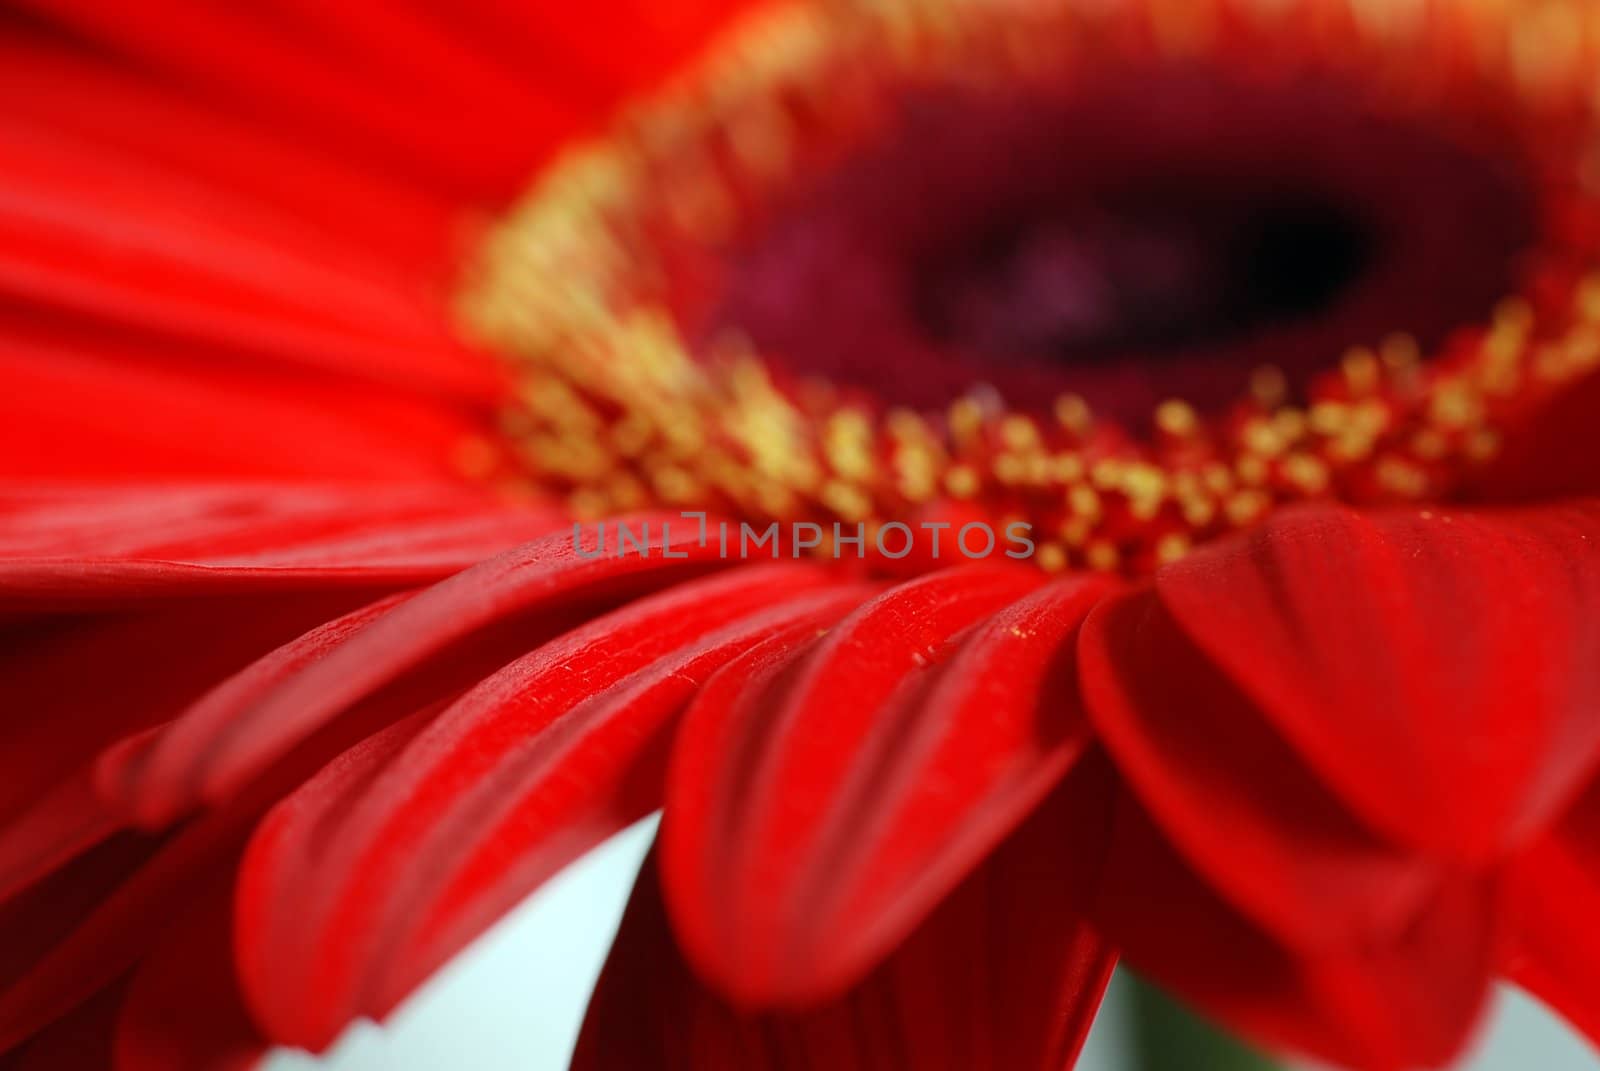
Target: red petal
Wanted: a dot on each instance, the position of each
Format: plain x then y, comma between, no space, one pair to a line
1556,931
1236,801
819,806
35,922
79,929
76,685
79,1041
1004,975
128,115
261,567
456,631
93,234
1406,1002
183,1011
413,848
152,777
494,105
60,825
205,415
1436,667
72,932
107,548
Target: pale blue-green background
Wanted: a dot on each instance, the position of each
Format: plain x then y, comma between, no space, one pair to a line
513,1001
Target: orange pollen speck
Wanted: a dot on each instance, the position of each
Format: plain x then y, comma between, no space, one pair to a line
616,410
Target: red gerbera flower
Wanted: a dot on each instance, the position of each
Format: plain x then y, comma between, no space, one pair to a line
1263,335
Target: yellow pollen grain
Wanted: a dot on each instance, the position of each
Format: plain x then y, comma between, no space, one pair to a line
1262,438
1589,299
966,418
1106,474
1172,547
1290,424
1075,532
1253,471
1308,473
1328,418
1361,370
962,481
1066,468
1019,433
1244,507
1401,477
1084,501
1073,414
847,501
1198,512
1177,418
1102,556
1455,406
1051,557
1218,478
1010,469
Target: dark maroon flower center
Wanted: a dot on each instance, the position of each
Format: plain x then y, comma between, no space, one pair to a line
1131,238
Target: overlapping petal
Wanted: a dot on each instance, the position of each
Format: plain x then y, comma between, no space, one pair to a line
416,845
183,1010
165,592
1405,1001
80,548
1408,653
820,804
1555,943
412,653
74,685
81,1041
1233,797
1003,975
123,607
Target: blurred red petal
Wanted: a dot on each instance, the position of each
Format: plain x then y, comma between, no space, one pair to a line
80,683
184,587
34,989
66,548
122,643
369,878
1555,946
60,824
346,81
1003,975
450,634
80,1041
821,804
1435,667
183,1011
293,73
131,116
1237,802
1405,1002
97,404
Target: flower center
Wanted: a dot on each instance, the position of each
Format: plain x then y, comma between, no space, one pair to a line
1154,233
1133,274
